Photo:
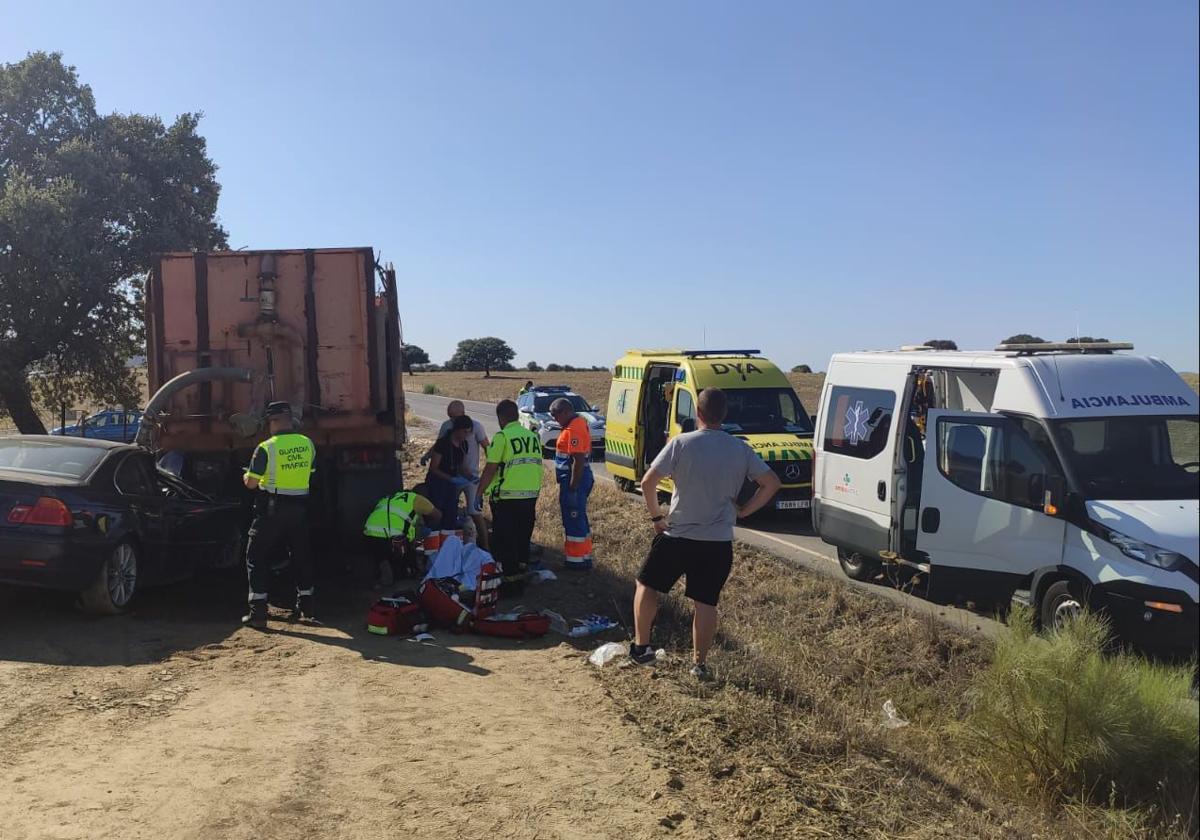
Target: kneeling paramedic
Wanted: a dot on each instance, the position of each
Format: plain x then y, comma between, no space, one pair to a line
393,529
279,472
573,469
512,479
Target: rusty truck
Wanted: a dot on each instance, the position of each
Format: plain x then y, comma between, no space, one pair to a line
228,332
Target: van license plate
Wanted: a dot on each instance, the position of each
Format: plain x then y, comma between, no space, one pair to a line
793,504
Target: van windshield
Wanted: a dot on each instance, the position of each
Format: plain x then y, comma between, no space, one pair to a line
1139,457
756,411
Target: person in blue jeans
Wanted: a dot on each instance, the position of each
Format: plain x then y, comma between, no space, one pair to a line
449,472
573,470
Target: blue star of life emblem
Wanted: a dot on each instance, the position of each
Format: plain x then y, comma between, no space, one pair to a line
855,429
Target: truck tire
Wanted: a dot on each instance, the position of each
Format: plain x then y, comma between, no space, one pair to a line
1061,602
115,584
856,566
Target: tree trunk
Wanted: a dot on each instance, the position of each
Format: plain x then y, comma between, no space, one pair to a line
18,402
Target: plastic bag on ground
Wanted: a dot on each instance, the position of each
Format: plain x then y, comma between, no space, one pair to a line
606,653
891,718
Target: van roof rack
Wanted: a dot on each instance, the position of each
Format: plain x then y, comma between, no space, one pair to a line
695,353
552,389
1065,347
913,348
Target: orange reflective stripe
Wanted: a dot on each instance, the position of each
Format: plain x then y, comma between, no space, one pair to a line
578,547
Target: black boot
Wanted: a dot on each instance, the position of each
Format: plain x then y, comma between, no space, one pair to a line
257,616
304,609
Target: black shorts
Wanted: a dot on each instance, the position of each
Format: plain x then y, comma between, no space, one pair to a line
706,565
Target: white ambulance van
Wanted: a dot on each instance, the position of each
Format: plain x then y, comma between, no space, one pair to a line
1062,474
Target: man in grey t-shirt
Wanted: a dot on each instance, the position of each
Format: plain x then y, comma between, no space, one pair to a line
695,539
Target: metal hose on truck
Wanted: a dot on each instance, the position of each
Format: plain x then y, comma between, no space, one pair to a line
185,380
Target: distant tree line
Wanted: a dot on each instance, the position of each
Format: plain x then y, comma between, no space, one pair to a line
488,354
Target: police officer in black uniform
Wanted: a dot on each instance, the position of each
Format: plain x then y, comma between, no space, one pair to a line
279,475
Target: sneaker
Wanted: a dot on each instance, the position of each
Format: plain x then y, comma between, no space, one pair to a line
642,654
700,672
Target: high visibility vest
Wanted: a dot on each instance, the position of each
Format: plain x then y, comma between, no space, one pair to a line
518,451
394,516
289,467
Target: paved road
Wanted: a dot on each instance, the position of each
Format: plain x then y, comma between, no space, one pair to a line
784,536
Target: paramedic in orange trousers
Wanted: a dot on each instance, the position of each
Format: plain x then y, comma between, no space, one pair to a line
573,470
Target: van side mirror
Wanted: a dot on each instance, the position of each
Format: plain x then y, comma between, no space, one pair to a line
813,418
1054,495
594,408
525,410
687,425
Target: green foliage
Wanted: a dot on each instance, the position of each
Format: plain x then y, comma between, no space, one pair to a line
942,344
533,367
802,369
410,355
486,354
1024,338
85,202
1061,718
430,388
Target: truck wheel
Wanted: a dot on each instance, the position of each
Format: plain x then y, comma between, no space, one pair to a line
1061,602
856,566
115,585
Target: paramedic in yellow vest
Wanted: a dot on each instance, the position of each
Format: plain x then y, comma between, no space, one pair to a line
279,475
573,470
400,516
512,479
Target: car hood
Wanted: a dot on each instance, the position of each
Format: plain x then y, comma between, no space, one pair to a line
1170,523
594,421
780,446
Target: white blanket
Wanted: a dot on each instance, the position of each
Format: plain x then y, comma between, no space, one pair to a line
458,561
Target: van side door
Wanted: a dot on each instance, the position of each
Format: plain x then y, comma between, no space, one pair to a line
982,527
857,451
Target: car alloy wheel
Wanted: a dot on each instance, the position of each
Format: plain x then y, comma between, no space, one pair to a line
122,575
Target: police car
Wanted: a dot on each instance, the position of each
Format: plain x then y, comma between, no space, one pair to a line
534,406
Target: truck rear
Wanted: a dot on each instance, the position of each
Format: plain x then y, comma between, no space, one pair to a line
229,332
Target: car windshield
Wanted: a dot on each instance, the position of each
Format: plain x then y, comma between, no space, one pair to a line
1138,457
765,410
541,403
52,459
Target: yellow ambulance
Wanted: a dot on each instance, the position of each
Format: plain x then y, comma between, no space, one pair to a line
653,398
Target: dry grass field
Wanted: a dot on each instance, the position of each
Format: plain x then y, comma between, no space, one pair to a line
592,385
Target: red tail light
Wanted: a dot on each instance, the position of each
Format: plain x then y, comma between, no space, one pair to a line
46,511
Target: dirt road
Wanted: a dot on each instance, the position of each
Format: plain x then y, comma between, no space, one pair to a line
171,722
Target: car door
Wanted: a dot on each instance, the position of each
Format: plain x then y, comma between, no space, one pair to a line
135,483
856,467
201,530
982,524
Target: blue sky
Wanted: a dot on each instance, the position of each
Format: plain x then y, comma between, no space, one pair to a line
800,177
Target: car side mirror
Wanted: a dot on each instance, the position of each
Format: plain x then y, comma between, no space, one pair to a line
813,419
1054,494
526,410
687,425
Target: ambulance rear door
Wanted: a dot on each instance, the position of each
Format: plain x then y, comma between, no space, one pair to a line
856,438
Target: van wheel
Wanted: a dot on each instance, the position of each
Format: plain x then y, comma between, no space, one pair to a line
115,584
624,485
1061,602
856,566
